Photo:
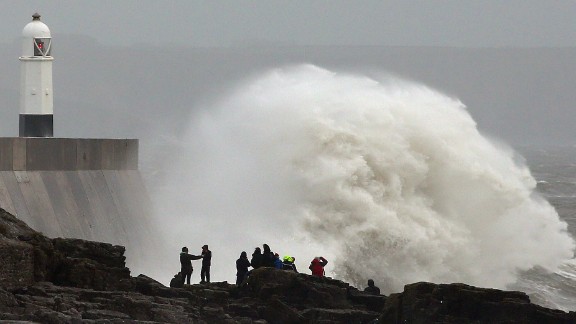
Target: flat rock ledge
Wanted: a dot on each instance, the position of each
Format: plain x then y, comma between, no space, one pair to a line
45,280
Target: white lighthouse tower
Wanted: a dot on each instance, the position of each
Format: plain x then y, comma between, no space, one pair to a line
36,100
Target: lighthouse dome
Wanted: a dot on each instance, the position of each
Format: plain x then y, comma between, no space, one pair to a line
36,28
36,38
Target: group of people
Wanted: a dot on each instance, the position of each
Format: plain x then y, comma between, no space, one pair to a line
259,259
269,259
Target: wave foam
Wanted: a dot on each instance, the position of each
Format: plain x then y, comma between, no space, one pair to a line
391,180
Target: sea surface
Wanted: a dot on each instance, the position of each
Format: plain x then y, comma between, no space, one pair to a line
554,168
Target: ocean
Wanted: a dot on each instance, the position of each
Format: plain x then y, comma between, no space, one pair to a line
554,168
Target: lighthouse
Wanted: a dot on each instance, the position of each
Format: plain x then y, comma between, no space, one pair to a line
36,99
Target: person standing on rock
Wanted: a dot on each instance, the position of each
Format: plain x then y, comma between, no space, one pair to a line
256,261
277,262
317,266
288,263
371,289
186,264
267,257
242,265
206,258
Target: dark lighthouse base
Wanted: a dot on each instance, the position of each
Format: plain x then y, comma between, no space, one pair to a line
36,125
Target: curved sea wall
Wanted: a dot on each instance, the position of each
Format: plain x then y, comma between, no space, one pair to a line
78,188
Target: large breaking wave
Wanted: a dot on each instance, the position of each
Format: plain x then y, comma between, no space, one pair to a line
386,178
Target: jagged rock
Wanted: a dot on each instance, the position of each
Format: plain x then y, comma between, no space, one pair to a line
85,273
350,316
297,288
7,300
277,312
31,257
17,263
373,303
104,314
243,309
103,253
18,257
425,302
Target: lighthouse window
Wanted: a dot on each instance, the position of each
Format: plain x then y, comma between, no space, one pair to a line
41,46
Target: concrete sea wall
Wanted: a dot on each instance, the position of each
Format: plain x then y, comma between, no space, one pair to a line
78,188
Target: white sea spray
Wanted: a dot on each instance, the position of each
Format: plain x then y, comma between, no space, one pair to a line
387,179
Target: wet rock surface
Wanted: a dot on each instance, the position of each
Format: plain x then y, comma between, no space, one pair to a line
426,302
73,281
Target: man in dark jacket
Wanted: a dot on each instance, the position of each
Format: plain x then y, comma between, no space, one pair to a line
256,261
206,257
242,265
267,257
371,289
186,264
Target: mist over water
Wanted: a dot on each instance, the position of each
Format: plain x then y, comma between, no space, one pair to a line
387,179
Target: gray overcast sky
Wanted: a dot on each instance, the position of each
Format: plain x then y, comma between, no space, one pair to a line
458,23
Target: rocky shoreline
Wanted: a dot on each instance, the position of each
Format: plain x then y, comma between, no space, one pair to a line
45,280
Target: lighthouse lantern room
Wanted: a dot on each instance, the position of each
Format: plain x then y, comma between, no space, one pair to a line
36,100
